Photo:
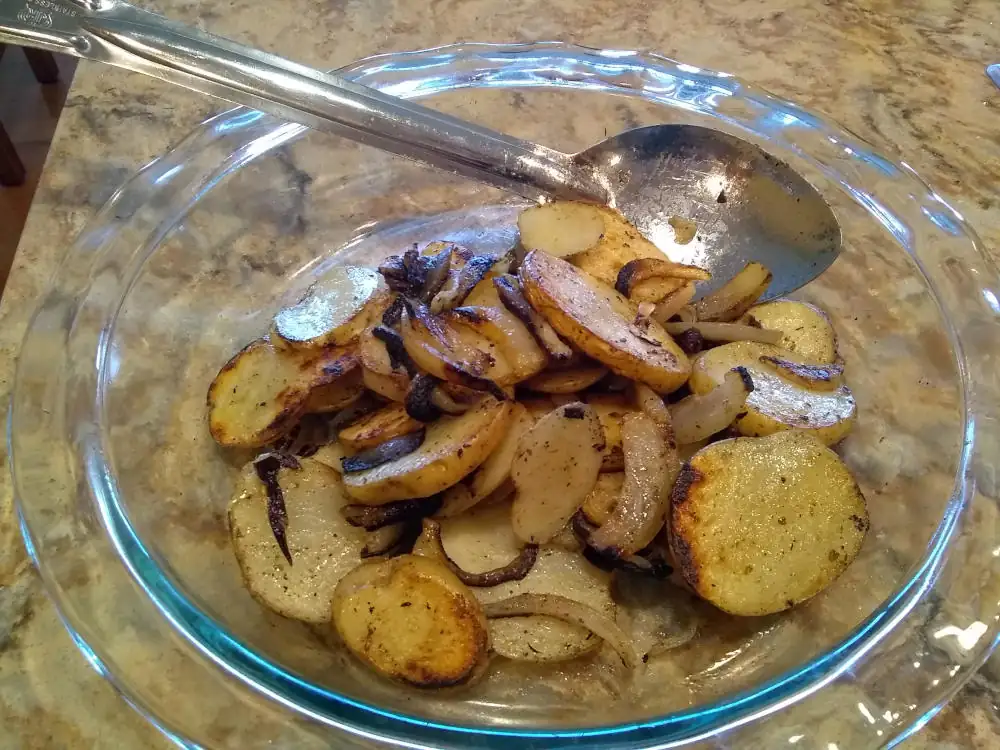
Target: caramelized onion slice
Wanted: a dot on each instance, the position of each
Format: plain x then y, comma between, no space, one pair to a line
372,517
736,296
429,545
573,612
700,416
383,453
651,466
726,332
825,377
509,291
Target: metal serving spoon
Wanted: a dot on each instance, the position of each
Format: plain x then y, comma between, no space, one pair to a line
747,205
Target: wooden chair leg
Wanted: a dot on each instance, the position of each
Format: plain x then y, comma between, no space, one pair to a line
43,65
11,168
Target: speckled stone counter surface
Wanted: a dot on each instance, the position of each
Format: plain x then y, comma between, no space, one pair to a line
907,75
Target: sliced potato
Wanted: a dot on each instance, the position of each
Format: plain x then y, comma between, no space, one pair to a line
323,546
484,539
805,329
761,524
567,380
561,228
331,454
554,469
345,385
452,448
512,338
601,501
484,294
537,406
495,470
620,244
261,393
411,619
335,310
452,352
776,403
585,314
611,409
387,423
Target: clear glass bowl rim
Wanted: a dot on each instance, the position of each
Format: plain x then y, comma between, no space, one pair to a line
621,69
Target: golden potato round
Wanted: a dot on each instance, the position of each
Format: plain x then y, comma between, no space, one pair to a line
411,619
760,524
805,329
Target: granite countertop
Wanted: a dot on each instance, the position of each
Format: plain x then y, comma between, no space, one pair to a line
906,75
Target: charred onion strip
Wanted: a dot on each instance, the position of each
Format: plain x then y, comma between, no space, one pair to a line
383,453
372,517
568,610
461,282
267,467
649,561
691,341
436,273
398,358
419,401
817,377
698,417
726,332
509,291
429,544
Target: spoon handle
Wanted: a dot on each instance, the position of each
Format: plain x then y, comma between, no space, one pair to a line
122,35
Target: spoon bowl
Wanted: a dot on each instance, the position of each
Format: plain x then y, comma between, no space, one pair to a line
746,204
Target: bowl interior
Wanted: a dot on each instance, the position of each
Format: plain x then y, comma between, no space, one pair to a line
262,235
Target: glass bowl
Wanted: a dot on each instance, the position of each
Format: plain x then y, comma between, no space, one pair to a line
122,492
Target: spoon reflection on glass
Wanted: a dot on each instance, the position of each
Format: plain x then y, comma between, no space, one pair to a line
747,205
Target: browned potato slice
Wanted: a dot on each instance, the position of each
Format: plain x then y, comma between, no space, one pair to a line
335,310
776,403
611,409
323,546
601,501
569,380
805,329
537,406
584,314
761,524
260,394
452,352
483,539
411,619
452,448
513,340
554,469
342,384
373,429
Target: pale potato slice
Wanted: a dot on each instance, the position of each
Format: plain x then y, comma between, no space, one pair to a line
331,454
568,380
495,470
483,539
805,329
601,501
554,469
611,409
776,403
261,393
537,406
452,448
323,546
561,228
387,423
512,338
484,294
335,310
761,524
411,619
584,313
